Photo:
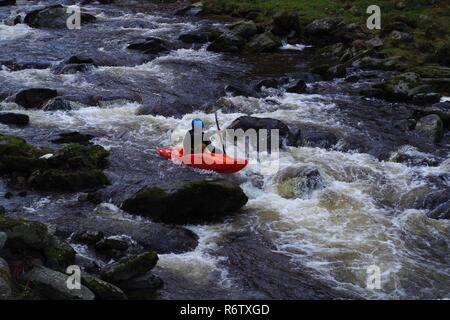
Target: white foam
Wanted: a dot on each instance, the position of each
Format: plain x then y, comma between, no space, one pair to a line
19,31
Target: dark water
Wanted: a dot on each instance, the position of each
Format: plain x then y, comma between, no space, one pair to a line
314,247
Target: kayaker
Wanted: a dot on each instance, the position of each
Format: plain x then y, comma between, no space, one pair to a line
195,140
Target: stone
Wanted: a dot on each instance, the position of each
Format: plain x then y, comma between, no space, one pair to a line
6,284
265,42
440,212
129,267
102,289
244,29
430,126
34,97
14,118
54,16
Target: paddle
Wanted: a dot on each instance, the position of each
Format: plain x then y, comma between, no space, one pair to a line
218,128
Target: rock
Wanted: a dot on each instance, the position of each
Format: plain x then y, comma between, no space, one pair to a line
435,76
4,3
401,37
322,26
2,210
142,283
23,234
412,157
3,238
74,68
245,29
73,137
374,43
430,126
441,212
129,267
72,181
442,55
227,42
199,36
35,97
271,83
286,22
299,182
87,237
186,203
299,87
59,255
265,42
246,122
319,139
150,46
95,197
111,243
14,118
399,87
57,104
54,16
79,59
53,285
102,289
426,98
194,9
6,284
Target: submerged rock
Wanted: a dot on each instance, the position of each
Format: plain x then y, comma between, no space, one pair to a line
34,97
129,267
441,212
6,283
150,46
73,137
87,237
14,118
57,104
430,126
102,289
53,285
299,182
298,87
54,16
187,202
201,36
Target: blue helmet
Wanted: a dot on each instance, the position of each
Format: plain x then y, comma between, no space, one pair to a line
198,123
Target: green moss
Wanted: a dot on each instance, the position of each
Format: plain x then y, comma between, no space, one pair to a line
59,256
55,179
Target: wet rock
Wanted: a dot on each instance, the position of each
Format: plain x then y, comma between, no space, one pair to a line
322,26
299,182
23,234
265,42
199,36
2,210
57,104
430,126
426,98
195,9
413,157
286,22
374,43
442,55
441,212
79,59
399,87
437,77
96,197
142,283
53,17
14,118
6,284
102,289
74,68
150,46
319,139
245,29
59,255
238,90
73,137
53,285
79,157
227,42
299,87
72,181
34,97
87,237
247,122
186,203
271,83
129,267
110,244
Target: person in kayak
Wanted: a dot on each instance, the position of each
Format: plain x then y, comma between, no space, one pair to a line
195,140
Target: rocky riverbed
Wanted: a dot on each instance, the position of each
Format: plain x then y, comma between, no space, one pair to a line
363,174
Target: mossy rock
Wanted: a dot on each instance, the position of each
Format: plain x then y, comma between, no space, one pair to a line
129,267
193,201
59,255
23,234
80,157
102,289
61,180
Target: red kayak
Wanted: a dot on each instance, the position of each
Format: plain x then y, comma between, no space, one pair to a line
208,161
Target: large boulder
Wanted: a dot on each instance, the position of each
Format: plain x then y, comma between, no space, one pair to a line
187,202
430,126
129,267
441,212
246,28
23,234
53,285
299,182
227,42
6,284
14,118
247,122
102,289
286,22
34,97
265,42
72,181
53,17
